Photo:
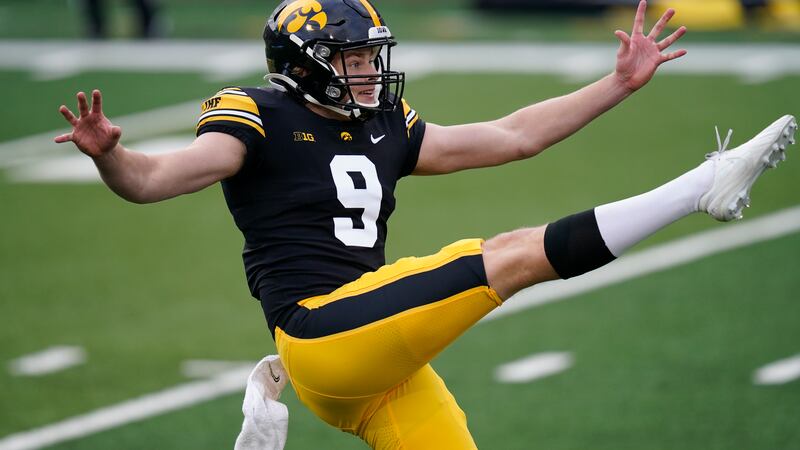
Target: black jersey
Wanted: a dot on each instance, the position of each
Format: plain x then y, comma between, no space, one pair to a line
314,194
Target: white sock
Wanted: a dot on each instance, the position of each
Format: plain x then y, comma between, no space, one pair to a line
627,222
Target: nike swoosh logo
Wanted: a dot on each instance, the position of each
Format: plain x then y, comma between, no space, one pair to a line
376,140
272,374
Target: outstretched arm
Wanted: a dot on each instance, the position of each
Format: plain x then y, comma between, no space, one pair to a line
531,130
142,178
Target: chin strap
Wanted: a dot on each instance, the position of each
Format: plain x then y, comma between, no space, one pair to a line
276,80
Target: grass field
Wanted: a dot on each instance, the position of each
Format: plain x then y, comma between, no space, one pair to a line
663,361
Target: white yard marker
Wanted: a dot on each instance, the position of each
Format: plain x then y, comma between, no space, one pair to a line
178,397
779,372
53,359
534,367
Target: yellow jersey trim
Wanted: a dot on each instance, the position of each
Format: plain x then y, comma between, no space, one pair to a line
234,105
233,119
409,113
412,123
226,99
406,108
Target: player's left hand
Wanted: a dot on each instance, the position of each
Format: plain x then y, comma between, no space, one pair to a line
639,56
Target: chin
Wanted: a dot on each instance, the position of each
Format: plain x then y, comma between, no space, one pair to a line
368,101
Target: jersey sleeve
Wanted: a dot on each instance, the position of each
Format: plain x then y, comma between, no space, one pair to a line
233,112
415,131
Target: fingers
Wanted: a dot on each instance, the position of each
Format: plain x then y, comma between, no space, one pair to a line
623,37
97,102
673,55
662,22
638,22
63,138
68,115
116,132
669,40
83,105
624,41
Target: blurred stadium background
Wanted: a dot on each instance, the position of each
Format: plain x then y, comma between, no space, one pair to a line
141,300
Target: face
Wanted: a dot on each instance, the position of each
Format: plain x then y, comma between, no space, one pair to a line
360,62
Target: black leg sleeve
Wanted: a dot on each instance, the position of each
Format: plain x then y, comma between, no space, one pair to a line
574,246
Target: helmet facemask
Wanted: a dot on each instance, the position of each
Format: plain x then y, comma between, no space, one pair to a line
342,89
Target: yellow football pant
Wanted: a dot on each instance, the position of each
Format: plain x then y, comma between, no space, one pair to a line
374,380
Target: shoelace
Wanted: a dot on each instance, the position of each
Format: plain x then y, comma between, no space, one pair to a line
721,146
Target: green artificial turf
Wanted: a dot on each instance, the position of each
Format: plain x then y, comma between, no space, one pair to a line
661,362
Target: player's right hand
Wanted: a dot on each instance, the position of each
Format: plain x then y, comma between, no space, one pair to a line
92,132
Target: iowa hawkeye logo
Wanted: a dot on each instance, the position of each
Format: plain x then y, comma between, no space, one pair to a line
302,13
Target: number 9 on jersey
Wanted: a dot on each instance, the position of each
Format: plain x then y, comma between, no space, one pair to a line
346,169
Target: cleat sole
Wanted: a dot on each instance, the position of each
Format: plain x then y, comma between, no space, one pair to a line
778,153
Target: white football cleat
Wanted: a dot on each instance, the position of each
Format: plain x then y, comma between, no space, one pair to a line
735,171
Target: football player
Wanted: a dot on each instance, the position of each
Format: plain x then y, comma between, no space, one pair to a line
308,167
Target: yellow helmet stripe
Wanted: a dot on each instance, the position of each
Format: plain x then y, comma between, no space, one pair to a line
375,19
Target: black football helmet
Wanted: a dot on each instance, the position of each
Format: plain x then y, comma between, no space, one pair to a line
303,36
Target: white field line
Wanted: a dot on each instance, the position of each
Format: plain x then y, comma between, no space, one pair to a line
150,405
655,259
78,168
659,258
50,360
141,125
534,367
778,372
235,59
574,62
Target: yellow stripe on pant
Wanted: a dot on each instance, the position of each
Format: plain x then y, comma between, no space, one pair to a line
374,381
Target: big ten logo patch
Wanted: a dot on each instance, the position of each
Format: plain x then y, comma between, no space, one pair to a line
211,103
299,136
302,13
